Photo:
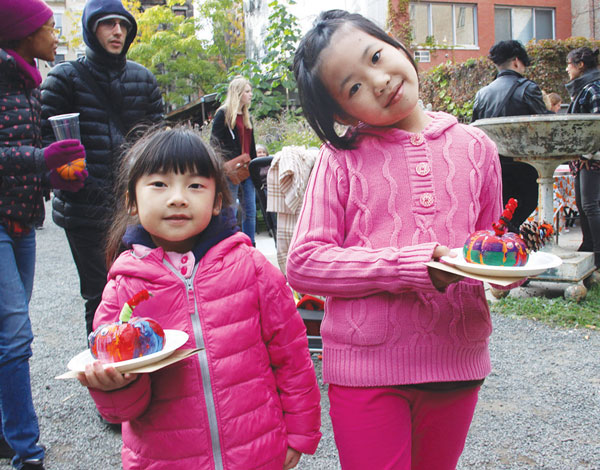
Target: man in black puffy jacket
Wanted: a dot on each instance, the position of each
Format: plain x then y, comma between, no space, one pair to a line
112,95
511,94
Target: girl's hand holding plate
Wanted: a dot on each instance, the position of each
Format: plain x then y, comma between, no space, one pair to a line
105,379
442,279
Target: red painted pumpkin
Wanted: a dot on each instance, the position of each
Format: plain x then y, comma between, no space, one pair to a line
121,341
497,247
67,172
129,337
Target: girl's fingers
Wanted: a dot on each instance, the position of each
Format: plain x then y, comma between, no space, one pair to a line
440,251
106,379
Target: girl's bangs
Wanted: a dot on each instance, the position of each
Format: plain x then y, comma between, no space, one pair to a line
180,152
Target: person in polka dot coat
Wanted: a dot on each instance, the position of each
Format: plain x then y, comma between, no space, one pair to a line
27,172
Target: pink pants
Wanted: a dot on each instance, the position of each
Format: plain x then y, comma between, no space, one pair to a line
389,428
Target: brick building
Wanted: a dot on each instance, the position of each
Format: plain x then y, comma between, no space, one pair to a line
445,30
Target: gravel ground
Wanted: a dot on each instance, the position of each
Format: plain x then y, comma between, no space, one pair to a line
539,408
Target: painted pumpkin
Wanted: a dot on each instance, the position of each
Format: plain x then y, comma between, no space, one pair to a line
129,337
497,247
67,171
486,247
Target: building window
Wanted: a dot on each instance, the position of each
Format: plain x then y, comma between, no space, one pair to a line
422,56
430,24
58,22
523,23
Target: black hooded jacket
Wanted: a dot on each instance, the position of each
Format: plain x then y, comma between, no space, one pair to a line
131,89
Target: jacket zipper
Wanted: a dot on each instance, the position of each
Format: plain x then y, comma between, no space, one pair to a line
209,398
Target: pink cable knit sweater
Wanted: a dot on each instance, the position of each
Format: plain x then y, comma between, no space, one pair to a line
371,219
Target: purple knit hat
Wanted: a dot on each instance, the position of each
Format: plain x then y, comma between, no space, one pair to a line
20,18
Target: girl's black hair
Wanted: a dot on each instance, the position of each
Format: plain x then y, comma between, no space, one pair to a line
585,55
319,108
161,150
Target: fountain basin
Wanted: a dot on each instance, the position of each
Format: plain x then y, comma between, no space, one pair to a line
550,136
544,141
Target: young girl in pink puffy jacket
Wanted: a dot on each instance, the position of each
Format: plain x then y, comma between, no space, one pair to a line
249,399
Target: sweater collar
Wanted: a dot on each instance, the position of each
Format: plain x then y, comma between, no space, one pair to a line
220,227
440,122
576,85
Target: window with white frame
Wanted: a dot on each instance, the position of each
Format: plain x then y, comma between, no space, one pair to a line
430,24
523,23
422,56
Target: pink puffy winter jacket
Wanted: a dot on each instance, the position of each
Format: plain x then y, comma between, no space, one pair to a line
245,398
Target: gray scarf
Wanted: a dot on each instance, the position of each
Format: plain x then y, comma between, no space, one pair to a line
575,86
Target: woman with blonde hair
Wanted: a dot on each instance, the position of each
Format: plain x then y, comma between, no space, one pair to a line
232,135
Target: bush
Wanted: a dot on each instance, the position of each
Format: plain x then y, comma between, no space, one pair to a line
452,87
286,130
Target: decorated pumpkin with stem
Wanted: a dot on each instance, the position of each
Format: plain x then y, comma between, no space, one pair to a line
67,171
129,337
500,247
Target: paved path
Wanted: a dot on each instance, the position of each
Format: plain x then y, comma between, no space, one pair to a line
537,410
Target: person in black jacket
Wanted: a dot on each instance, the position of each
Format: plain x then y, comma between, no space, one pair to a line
27,172
232,135
511,94
584,89
112,95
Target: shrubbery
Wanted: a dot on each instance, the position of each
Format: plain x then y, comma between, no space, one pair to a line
452,87
283,131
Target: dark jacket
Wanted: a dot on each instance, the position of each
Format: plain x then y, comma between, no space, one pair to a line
227,141
131,90
23,172
526,98
585,93
585,96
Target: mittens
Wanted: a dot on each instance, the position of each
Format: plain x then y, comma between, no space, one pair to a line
68,185
62,152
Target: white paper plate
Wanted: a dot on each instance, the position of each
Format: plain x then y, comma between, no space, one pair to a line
174,339
538,262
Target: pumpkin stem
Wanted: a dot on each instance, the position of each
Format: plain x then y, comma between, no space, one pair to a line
127,309
507,215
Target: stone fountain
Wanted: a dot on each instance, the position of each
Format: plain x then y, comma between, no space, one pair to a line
545,141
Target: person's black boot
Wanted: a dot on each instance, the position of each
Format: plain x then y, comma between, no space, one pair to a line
37,464
6,451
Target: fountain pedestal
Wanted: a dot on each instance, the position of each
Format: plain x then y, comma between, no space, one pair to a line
546,141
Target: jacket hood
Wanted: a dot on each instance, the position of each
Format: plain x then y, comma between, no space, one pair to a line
9,71
93,10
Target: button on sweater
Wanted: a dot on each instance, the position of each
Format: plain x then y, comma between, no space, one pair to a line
371,218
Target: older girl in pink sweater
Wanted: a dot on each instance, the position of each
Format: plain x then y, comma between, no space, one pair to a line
405,346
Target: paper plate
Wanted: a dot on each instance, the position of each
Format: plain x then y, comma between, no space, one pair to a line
538,262
174,339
